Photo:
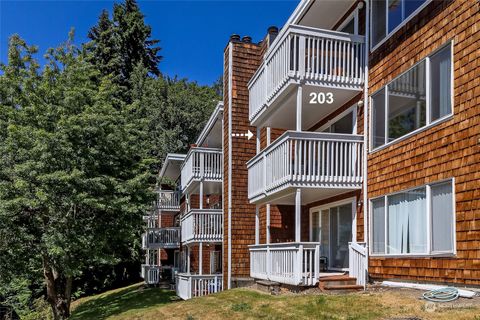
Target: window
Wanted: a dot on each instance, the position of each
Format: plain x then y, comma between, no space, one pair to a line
406,104
401,221
345,124
387,15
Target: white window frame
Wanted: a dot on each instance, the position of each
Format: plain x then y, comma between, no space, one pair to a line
355,17
352,200
389,34
429,213
329,123
429,122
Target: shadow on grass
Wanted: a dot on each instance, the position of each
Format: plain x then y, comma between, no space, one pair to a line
128,299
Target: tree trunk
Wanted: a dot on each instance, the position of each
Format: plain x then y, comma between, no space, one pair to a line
59,290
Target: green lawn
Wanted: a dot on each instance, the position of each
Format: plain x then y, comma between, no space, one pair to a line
135,302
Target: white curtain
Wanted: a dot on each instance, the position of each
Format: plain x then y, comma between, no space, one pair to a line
407,222
442,220
378,222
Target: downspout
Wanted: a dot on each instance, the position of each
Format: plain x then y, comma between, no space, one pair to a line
365,133
229,237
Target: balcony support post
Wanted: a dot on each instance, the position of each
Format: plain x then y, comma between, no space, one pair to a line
267,235
201,195
257,224
188,259
299,108
258,139
298,214
200,258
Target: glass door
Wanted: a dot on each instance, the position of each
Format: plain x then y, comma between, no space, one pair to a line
332,227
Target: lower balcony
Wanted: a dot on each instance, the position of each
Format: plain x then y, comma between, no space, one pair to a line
202,225
161,238
299,263
190,286
321,164
150,273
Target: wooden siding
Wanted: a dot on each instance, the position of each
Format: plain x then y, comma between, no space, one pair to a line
450,149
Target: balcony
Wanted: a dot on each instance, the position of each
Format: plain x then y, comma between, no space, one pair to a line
320,62
161,238
150,273
190,286
294,263
168,200
202,225
202,164
322,164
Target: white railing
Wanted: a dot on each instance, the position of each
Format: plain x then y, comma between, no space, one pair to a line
151,274
156,238
308,159
205,225
312,55
168,200
295,263
202,163
191,286
358,262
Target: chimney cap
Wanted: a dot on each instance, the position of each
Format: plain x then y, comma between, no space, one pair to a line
234,37
272,29
247,39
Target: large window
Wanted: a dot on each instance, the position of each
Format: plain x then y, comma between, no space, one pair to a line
402,222
387,15
407,103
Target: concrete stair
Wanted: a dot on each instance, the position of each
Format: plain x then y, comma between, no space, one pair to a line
338,283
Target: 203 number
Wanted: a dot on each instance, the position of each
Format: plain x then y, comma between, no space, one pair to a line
321,98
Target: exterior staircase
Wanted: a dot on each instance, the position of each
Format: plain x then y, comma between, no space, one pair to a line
338,283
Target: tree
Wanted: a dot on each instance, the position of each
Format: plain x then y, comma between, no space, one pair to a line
73,181
119,45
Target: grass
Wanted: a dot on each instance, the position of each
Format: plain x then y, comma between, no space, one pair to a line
135,302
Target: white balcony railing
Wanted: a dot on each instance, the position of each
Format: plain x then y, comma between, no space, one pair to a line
202,164
315,56
358,262
191,286
294,263
202,225
306,159
168,200
150,273
156,238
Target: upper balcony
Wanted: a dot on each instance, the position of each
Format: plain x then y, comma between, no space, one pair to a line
322,164
202,164
168,200
325,64
161,238
202,225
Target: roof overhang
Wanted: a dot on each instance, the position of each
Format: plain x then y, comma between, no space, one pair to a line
171,166
211,135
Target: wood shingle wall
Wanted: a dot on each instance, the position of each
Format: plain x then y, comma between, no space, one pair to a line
450,149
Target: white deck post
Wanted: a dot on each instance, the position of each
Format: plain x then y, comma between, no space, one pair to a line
201,194
200,258
257,224
267,234
188,259
299,108
298,214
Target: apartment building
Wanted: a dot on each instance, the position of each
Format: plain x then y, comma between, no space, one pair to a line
364,163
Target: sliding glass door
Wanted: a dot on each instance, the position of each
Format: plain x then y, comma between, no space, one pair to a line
332,227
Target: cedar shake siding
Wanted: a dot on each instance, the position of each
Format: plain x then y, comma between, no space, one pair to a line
450,149
245,61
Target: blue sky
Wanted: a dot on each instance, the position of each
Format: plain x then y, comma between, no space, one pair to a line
193,34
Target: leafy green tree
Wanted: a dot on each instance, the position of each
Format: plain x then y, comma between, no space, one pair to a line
73,181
